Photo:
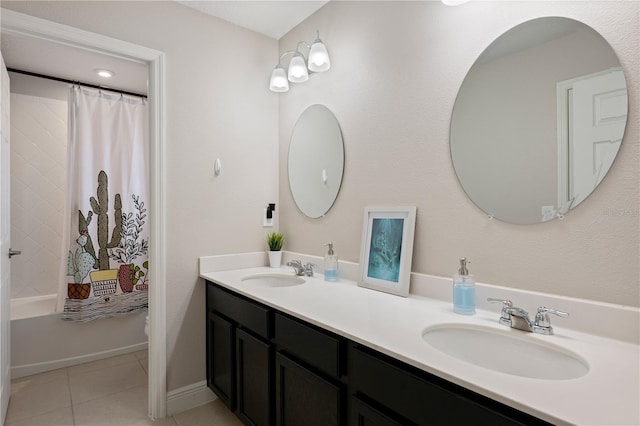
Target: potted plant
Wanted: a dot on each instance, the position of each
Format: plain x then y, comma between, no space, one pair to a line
275,240
131,246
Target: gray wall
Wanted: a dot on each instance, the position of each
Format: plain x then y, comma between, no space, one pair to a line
396,70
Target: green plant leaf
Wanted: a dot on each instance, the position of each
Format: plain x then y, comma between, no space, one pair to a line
275,240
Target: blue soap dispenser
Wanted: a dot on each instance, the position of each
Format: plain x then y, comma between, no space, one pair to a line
464,290
330,264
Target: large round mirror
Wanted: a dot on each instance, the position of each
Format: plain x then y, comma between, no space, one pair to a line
538,120
316,161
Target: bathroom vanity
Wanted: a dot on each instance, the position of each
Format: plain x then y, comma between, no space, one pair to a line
335,353
267,365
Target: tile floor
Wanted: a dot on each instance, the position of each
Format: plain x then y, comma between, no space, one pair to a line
108,392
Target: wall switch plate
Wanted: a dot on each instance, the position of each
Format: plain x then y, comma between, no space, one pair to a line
266,222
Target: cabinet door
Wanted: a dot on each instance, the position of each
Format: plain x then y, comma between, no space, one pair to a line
221,358
363,414
304,398
255,384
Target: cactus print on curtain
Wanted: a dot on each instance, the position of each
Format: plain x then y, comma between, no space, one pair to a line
106,230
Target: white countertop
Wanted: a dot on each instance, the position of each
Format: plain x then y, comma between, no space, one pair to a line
608,394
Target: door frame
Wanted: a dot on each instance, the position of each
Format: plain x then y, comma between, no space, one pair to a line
29,26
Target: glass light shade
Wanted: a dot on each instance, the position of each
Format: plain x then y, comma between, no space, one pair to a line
319,57
279,81
298,69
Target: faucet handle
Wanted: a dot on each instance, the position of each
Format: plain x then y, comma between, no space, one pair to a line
308,269
505,316
543,322
505,302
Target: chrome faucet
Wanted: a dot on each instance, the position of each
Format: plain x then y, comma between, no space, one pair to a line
518,318
297,267
308,269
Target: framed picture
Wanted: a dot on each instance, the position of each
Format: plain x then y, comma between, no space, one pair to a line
387,248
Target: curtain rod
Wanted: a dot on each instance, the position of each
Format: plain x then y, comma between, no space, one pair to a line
79,83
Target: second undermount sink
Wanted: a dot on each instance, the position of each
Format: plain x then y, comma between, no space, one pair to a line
274,280
505,352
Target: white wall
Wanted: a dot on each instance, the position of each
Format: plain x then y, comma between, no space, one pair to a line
396,70
38,181
218,105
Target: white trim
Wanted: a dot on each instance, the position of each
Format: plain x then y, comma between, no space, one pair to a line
188,397
41,367
29,26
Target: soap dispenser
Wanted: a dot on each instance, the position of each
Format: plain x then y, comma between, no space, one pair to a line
464,290
330,264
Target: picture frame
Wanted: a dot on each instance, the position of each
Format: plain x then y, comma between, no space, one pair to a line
387,248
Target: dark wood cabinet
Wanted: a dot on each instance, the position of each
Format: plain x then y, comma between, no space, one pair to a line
254,379
272,368
363,413
240,355
221,358
305,398
422,398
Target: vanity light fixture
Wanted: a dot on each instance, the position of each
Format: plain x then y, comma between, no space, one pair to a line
299,66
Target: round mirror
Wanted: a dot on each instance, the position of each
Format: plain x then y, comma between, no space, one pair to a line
316,161
538,120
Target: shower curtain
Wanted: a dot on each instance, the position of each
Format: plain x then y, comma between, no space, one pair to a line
105,231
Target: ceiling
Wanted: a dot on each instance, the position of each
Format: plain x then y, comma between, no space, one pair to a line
271,18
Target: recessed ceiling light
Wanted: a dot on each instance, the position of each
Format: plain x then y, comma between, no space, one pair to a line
454,2
105,73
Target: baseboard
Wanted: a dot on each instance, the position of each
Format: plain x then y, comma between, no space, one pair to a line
188,397
41,367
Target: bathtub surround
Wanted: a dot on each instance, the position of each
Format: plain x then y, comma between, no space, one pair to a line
402,125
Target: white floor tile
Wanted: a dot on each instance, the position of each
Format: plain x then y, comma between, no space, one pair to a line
214,413
59,417
41,378
108,392
101,364
29,398
106,381
128,407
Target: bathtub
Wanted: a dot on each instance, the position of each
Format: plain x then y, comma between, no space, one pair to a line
41,341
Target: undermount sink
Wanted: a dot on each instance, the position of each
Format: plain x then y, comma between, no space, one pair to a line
274,280
505,352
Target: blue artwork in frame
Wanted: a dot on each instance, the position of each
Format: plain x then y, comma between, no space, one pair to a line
387,248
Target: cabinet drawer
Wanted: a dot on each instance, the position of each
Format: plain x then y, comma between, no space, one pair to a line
422,398
313,346
248,314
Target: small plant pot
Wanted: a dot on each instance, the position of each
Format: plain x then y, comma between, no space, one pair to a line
275,259
104,282
78,291
125,277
